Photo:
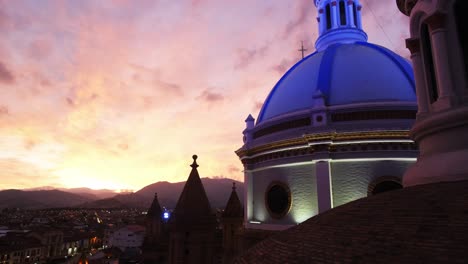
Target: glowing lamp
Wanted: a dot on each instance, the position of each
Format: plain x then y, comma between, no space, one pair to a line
166,215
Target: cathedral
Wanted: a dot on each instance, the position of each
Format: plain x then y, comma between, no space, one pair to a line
427,220
335,128
340,127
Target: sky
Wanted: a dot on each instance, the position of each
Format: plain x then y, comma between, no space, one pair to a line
119,94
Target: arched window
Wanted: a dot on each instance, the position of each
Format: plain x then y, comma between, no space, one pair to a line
342,13
429,70
328,14
355,14
461,8
386,186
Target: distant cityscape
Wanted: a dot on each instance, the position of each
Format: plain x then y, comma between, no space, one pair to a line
113,232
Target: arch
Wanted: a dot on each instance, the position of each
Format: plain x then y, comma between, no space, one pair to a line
342,13
328,15
384,184
355,14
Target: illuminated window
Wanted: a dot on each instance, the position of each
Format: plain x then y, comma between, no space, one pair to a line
429,70
278,199
342,13
328,14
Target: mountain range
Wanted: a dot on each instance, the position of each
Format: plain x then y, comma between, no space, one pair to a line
217,189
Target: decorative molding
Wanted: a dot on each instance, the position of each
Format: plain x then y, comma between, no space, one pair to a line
436,21
329,142
414,45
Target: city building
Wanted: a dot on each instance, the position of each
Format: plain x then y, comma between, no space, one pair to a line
129,236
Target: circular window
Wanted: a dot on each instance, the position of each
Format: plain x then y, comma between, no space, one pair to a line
278,199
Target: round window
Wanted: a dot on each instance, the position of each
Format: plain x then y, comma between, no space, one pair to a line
278,199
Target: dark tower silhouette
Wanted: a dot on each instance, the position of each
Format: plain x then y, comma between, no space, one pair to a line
156,241
232,221
154,221
192,224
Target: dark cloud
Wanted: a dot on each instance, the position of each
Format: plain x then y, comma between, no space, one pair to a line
70,101
123,146
208,96
170,88
283,66
257,106
233,169
5,22
39,49
247,56
29,143
4,110
5,75
303,13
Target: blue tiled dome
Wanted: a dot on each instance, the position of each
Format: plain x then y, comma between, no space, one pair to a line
344,73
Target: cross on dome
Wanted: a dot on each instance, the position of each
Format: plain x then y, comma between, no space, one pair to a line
302,49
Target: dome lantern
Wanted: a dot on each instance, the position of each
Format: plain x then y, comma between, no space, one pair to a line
339,22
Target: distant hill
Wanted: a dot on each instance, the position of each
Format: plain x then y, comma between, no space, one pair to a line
97,194
131,200
87,192
39,199
218,191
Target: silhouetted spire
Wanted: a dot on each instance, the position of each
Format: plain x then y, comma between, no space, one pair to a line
155,209
234,207
193,203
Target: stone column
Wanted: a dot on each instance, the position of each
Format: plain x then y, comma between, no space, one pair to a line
322,21
248,199
438,34
414,46
324,191
358,15
334,14
350,16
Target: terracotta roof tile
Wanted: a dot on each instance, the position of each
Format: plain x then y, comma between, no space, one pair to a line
420,224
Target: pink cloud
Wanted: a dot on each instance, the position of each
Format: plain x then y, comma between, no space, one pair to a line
209,96
40,49
6,76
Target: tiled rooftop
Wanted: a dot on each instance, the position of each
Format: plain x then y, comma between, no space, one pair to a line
420,224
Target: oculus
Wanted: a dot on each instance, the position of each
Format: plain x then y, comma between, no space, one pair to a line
278,199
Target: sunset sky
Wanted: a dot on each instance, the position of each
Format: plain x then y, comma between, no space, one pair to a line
120,93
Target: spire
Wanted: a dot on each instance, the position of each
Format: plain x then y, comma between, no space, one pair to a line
193,202
234,205
339,22
155,209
